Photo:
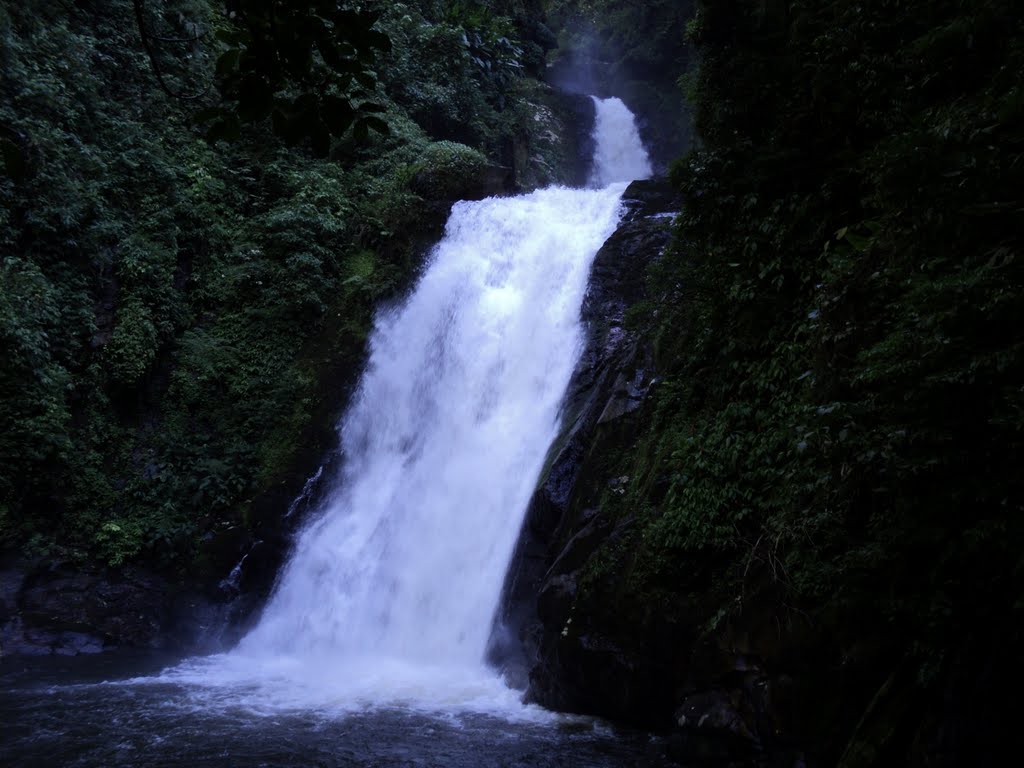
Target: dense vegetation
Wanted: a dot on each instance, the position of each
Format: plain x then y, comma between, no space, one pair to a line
179,317
838,430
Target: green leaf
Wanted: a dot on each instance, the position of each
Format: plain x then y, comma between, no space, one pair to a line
337,113
378,125
14,163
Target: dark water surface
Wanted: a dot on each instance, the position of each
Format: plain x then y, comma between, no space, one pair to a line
73,712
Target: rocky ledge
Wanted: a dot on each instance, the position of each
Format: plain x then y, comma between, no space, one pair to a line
591,646
609,386
62,609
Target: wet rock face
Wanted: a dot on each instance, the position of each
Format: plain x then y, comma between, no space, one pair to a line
536,641
713,730
601,650
578,115
67,609
664,116
61,610
558,147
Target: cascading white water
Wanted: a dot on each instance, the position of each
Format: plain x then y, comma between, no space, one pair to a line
446,438
621,155
394,586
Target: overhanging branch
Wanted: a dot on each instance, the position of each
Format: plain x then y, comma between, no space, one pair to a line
147,44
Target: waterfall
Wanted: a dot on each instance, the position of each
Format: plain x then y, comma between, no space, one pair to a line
445,439
395,583
619,153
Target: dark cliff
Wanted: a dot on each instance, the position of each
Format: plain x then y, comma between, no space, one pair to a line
804,546
563,527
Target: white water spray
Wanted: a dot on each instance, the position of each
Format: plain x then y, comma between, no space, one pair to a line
619,154
446,438
391,592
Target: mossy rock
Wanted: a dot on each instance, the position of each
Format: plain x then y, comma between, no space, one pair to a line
453,171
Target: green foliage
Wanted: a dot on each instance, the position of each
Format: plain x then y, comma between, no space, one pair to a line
489,41
119,541
636,51
449,158
446,168
305,66
840,415
34,421
132,347
452,72
647,33
179,321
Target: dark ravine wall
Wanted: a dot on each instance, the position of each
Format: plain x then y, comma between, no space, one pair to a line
743,684
637,52
560,531
804,547
663,115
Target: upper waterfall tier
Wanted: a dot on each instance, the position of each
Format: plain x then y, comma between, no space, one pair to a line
619,154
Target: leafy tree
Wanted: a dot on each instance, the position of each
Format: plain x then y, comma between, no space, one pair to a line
178,319
306,65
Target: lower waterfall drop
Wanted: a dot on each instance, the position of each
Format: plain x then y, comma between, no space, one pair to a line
391,590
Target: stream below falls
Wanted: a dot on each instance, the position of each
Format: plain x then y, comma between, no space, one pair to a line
60,713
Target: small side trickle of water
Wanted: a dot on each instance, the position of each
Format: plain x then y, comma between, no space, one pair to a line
230,583
307,489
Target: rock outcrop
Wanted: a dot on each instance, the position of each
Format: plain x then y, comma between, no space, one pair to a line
609,386
65,610
731,680
571,631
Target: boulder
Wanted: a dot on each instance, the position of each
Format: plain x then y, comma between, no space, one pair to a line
712,730
571,667
60,609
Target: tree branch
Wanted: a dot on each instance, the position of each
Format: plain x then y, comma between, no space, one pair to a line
147,44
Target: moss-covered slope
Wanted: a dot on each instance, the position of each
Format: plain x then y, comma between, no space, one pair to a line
815,537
